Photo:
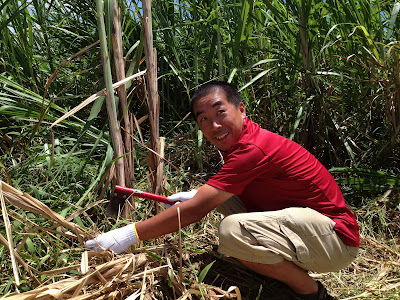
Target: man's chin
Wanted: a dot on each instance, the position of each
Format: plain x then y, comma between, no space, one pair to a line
223,145
223,148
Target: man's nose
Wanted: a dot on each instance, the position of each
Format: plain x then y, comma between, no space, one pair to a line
215,124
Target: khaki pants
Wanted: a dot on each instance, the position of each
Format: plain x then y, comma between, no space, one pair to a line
301,235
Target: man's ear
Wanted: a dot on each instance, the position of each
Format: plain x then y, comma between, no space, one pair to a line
242,109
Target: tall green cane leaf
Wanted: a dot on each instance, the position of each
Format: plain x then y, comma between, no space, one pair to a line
393,18
363,179
343,139
240,31
301,114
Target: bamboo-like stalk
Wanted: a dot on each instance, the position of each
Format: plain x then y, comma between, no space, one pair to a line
180,247
119,64
160,166
110,100
196,80
153,98
305,53
219,50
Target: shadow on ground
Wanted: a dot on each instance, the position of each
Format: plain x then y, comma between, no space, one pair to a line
226,272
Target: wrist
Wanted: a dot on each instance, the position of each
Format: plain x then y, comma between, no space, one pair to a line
136,233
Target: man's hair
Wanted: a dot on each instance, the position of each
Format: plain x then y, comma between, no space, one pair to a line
231,93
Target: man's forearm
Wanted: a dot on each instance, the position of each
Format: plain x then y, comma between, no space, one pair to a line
205,200
167,221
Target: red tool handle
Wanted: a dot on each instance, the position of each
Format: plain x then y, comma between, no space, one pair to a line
150,196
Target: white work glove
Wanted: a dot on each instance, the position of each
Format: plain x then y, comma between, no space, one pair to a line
117,240
180,197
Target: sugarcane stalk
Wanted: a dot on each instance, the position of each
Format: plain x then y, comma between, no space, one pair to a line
110,101
119,64
153,98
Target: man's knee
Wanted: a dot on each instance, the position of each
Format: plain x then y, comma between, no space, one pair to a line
227,227
238,240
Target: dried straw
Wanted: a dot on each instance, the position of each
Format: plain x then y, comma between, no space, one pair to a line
9,235
103,275
27,202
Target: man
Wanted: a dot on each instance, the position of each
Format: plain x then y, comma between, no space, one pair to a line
284,212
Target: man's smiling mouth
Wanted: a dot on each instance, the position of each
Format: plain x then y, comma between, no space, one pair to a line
221,136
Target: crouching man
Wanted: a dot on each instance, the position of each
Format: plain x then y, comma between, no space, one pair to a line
284,212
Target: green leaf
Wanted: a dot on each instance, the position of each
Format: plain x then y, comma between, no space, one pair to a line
204,272
393,17
154,256
30,245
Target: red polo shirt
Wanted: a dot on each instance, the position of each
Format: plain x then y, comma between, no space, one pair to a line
270,172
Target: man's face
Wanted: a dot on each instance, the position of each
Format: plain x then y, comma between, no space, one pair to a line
219,120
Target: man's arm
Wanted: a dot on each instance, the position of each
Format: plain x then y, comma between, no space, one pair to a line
206,199
192,210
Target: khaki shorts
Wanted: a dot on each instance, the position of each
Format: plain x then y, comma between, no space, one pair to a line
301,235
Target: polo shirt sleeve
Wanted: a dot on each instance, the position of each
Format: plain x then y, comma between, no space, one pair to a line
241,167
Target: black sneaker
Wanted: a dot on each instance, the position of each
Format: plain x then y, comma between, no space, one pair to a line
322,294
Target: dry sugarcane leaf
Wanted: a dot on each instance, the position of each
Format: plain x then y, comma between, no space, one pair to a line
133,296
51,215
112,279
78,290
36,292
381,274
18,202
94,97
33,205
224,294
237,290
59,271
137,126
391,286
68,287
100,281
50,295
9,236
143,284
85,262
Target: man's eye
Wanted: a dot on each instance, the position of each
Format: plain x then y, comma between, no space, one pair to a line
203,119
220,111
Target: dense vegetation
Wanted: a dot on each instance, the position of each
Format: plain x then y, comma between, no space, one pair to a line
323,73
